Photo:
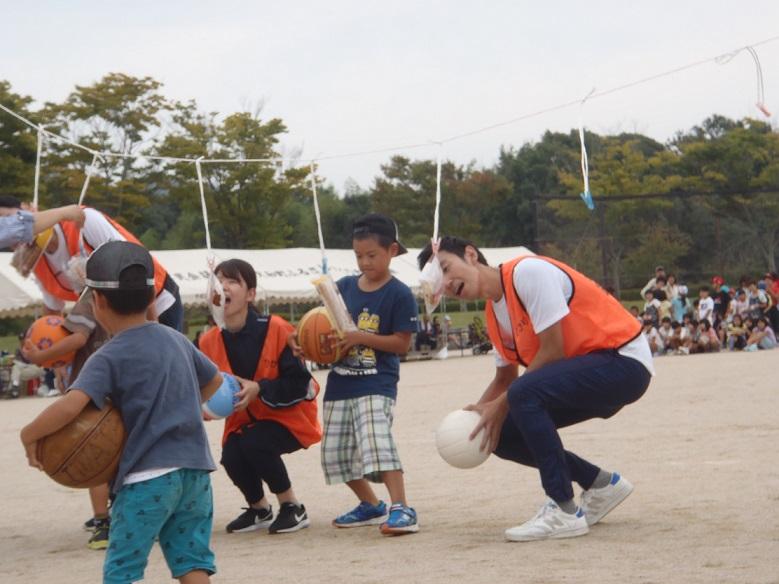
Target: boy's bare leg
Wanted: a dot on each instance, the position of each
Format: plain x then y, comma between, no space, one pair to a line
195,577
98,496
362,488
393,480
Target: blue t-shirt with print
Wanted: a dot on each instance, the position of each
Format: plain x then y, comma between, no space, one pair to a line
366,371
153,376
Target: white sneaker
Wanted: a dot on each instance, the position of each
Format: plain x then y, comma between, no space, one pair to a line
597,503
550,522
43,389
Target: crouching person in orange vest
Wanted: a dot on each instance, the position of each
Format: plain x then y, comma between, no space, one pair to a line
60,279
584,357
277,413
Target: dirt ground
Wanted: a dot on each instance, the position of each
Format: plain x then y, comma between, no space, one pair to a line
700,447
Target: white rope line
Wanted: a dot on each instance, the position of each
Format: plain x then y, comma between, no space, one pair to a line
89,171
37,169
203,201
318,219
719,59
437,193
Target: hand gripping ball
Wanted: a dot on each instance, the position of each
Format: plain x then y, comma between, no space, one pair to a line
221,404
86,451
451,439
46,331
314,335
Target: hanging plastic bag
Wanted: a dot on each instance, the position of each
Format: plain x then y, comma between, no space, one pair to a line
334,303
215,297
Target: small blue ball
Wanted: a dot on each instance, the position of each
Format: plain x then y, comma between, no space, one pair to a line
221,404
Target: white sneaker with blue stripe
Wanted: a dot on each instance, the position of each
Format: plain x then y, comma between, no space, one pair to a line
550,522
597,503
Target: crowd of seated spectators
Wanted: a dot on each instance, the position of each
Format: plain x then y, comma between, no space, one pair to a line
722,317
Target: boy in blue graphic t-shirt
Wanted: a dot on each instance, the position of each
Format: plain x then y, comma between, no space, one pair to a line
362,387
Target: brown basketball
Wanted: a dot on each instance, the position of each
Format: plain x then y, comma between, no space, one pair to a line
86,452
314,331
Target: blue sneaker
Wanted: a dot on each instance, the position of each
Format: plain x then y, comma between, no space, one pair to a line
401,520
363,514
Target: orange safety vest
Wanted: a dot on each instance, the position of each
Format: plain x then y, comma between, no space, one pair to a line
596,320
300,419
48,278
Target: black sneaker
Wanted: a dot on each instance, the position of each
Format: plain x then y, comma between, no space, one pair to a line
291,518
251,520
89,524
99,539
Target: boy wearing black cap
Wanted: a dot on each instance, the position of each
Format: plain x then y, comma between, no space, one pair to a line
362,387
157,380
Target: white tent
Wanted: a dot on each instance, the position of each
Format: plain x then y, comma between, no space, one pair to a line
18,296
283,275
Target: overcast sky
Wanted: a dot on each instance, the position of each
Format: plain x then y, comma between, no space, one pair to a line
349,75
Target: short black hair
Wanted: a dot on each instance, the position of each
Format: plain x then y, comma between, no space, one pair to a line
236,269
452,244
705,289
383,240
9,201
128,302
666,319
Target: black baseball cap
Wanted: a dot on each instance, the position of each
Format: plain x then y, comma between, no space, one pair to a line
378,224
107,263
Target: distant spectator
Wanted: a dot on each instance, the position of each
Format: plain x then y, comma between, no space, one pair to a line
671,288
739,305
737,333
705,305
659,272
22,371
651,308
679,304
720,297
762,336
758,299
708,341
680,339
666,332
655,341
772,289
635,312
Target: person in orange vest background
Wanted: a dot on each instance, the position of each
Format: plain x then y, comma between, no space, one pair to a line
584,357
277,411
59,271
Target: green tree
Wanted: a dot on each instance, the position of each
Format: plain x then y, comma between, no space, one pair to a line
119,114
247,203
18,146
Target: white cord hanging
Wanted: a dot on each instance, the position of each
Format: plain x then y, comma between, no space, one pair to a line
586,195
37,167
431,280
203,201
728,57
89,171
318,219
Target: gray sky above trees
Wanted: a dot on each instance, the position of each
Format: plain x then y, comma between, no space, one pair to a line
348,75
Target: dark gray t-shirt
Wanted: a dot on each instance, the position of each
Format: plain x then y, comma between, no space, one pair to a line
153,375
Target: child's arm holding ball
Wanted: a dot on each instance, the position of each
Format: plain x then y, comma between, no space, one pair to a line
69,344
57,415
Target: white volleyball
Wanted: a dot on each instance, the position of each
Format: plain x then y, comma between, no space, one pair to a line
452,442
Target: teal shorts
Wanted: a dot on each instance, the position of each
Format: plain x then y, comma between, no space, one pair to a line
176,508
